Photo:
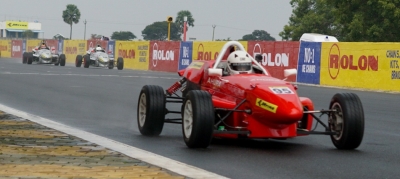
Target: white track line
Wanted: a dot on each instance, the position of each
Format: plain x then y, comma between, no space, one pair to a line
151,158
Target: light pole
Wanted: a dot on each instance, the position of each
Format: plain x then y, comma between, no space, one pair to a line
213,31
84,35
71,17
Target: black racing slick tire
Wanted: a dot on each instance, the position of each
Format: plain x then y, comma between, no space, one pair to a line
24,57
198,119
63,60
78,61
151,110
29,59
86,60
111,64
120,63
347,121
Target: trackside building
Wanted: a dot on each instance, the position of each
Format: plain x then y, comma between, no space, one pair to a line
15,29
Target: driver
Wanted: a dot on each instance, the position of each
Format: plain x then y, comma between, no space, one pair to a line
43,46
99,49
239,62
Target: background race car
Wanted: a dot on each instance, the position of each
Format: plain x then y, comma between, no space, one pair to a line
97,57
42,54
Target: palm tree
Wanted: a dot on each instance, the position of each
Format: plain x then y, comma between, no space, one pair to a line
71,15
180,19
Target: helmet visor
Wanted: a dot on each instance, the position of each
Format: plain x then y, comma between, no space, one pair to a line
240,66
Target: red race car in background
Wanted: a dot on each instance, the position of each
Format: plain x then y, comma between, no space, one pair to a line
245,105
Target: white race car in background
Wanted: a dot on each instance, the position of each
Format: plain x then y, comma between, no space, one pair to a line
98,59
43,56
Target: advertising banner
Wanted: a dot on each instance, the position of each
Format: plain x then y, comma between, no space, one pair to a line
53,45
60,47
23,46
16,48
111,48
361,65
5,48
92,43
185,55
277,56
135,54
32,44
16,25
308,68
209,50
164,56
72,48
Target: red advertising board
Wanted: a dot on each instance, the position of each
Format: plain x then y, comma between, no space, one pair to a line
16,48
164,56
53,45
277,56
92,43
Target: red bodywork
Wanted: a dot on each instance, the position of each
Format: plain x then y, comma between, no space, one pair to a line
273,114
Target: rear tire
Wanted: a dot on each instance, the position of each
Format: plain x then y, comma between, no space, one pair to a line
78,61
198,119
62,59
29,58
120,63
151,110
86,60
348,121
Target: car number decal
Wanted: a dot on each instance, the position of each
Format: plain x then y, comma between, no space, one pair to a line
281,90
266,105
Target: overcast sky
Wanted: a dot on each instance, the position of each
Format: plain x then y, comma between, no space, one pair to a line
233,18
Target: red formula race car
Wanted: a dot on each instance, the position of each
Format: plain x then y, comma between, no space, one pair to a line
226,98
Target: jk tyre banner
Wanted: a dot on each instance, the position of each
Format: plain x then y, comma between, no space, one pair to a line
185,55
111,49
93,44
361,65
308,68
277,56
164,56
53,45
135,54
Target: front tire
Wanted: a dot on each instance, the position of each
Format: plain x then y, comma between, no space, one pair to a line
347,121
29,59
197,119
62,59
86,60
120,63
24,57
151,110
111,64
78,61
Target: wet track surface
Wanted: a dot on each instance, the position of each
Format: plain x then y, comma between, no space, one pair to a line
104,102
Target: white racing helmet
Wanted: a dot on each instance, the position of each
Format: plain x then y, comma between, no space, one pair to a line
98,49
239,62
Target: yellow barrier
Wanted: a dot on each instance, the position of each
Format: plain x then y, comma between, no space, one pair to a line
5,48
208,50
361,65
72,48
31,44
135,54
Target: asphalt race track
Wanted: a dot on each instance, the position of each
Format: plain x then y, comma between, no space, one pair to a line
104,102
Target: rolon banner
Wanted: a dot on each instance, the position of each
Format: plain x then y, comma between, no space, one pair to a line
361,65
277,56
135,54
5,48
308,68
72,48
93,43
164,56
16,48
204,50
53,45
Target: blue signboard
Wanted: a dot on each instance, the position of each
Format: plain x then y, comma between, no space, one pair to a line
309,64
185,55
60,46
23,46
111,48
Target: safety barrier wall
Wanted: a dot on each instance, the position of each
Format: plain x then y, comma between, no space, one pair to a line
365,65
